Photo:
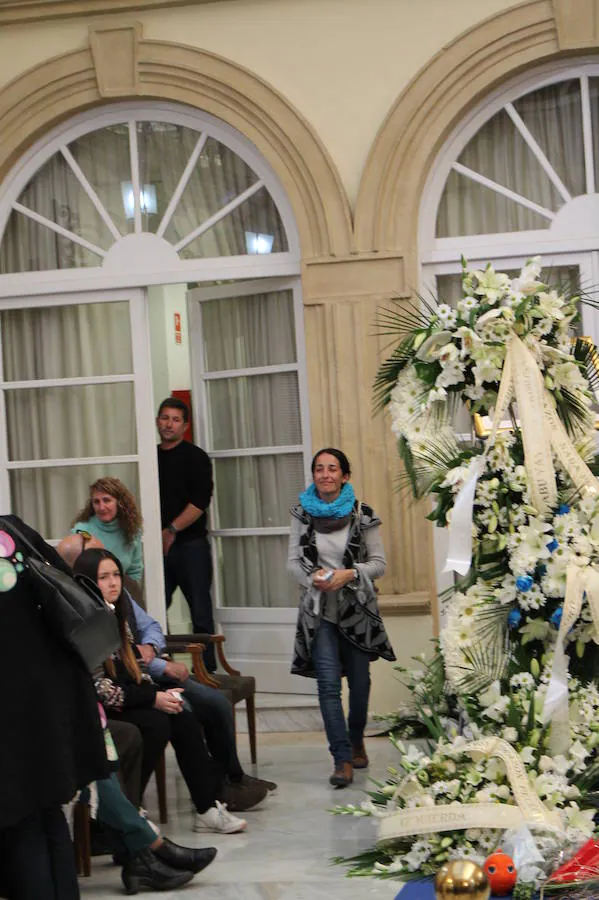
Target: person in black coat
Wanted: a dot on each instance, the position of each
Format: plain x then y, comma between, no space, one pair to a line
52,743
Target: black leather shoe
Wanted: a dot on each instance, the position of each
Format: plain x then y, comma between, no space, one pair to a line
240,796
249,779
145,870
178,857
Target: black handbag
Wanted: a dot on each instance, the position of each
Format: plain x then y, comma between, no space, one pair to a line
72,606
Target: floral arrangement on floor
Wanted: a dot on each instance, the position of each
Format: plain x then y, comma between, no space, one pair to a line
522,507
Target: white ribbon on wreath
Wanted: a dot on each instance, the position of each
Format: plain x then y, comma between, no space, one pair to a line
543,436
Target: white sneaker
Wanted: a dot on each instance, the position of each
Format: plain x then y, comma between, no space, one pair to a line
219,819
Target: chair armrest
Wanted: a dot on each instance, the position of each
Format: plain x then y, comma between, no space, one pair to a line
219,640
177,643
199,667
188,638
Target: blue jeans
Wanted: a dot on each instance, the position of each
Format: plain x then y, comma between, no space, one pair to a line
188,565
333,656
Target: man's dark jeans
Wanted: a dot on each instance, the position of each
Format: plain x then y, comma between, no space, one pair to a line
332,654
188,565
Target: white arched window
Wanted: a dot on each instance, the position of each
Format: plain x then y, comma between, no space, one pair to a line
146,248
519,177
139,190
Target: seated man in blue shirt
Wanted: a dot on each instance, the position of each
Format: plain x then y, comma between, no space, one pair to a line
212,709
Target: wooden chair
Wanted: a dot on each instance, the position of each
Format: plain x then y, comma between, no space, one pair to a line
231,682
82,838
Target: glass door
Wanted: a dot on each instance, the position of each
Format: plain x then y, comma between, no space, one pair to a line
250,406
74,406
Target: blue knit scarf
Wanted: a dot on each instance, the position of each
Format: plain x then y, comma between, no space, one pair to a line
337,509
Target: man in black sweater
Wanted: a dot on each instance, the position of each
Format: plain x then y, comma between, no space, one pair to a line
185,474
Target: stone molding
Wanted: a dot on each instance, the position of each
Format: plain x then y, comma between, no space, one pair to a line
64,86
370,274
115,54
416,603
577,23
16,12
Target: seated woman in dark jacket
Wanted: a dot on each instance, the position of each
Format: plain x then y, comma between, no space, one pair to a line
127,692
52,743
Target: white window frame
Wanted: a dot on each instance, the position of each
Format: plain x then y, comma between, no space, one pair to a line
89,285
143,272
201,377
522,244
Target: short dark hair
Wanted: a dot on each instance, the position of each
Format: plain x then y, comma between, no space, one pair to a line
175,403
339,456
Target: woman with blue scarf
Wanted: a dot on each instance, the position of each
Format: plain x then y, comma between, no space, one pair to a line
335,553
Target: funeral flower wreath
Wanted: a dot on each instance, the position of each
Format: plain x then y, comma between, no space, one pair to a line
517,659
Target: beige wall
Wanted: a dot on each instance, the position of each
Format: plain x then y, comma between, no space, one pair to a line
342,63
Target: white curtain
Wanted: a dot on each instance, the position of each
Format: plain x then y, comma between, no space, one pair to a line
253,411
498,151
66,422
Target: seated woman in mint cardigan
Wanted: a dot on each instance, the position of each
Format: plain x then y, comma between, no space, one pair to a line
111,515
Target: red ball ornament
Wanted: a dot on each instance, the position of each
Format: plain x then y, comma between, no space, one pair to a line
501,872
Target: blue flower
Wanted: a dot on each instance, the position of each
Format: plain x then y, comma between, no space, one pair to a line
563,509
514,618
552,545
556,618
524,583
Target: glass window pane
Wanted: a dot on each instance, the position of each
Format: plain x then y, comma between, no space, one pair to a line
164,150
553,115
56,194
270,487
104,156
470,208
240,332
499,152
253,227
253,572
29,247
254,411
66,341
66,422
219,176
49,499
594,99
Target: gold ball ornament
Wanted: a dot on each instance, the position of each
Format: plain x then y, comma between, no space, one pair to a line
462,880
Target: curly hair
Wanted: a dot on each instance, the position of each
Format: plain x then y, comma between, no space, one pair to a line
127,514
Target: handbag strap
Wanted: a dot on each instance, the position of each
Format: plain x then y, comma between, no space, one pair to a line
16,532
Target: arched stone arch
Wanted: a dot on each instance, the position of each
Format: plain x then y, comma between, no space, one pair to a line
120,64
438,98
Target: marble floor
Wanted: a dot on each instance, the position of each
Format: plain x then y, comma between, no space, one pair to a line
286,852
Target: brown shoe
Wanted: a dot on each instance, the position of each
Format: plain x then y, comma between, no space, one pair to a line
342,776
359,756
240,797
